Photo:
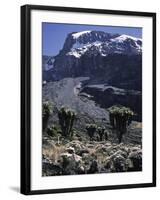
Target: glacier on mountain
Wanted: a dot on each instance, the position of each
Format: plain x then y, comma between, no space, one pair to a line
78,34
91,41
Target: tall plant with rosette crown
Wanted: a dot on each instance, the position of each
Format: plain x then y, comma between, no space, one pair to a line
120,118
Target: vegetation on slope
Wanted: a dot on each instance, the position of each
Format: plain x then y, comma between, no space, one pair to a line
102,150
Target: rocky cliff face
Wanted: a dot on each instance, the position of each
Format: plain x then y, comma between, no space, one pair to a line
98,54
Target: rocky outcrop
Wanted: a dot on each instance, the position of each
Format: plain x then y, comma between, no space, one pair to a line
94,157
106,96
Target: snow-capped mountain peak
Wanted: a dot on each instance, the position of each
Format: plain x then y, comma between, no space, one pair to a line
98,42
78,34
80,39
96,53
124,37
79,49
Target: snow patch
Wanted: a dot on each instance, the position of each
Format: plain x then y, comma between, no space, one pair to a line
78,34
124,37
113,45
48,67
78,45
79,49
74,53
49,64
97,43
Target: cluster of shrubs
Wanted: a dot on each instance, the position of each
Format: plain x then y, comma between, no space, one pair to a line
120,118
92,129
54,131
66,119
46,112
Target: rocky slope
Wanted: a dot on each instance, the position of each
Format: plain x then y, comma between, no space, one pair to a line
77,157
66,92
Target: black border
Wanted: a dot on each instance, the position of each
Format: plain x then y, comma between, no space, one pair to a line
26,98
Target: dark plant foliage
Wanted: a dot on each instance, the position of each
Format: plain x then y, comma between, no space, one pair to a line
91,128
46,111
120,119
66,120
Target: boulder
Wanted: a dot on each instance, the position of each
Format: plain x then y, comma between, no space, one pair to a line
119,163
135,158
70,150
80,152
94,168
71,164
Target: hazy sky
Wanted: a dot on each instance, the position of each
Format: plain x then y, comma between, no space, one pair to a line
54,35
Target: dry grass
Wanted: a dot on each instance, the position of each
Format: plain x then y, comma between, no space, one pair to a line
137,125
53,153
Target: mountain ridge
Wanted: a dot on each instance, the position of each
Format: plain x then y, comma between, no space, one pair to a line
78,43
98,55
